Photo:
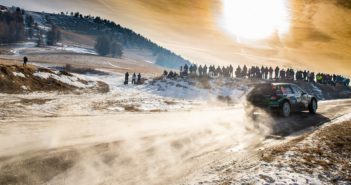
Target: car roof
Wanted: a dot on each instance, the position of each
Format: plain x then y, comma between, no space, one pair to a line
276,84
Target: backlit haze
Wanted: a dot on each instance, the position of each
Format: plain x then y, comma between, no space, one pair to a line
312,34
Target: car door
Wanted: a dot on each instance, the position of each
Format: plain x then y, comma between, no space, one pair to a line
301,96
305,99
289,93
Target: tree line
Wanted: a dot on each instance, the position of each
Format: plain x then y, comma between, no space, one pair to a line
105,46
124,37
12,26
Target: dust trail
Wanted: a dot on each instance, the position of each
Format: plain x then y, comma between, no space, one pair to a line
120,149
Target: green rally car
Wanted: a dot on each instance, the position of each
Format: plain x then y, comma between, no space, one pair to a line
283,98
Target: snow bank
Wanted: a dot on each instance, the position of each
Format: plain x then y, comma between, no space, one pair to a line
184,89
19,74
70,80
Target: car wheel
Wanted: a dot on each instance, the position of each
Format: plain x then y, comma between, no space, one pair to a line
286,109
313,106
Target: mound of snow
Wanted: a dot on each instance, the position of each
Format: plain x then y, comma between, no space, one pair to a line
19,74
188,89
70,80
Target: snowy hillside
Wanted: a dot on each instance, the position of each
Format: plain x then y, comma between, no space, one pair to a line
82,31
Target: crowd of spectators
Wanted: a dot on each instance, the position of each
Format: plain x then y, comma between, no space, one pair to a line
260,73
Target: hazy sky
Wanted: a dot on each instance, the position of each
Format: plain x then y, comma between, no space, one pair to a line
313,34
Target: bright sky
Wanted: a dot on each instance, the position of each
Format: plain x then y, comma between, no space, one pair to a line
288,33
243,20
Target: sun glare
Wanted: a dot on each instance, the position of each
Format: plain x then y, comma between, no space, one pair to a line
255,19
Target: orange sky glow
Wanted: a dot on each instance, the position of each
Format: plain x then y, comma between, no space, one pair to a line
315,35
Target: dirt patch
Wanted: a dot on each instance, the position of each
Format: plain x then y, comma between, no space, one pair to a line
157,110
18,79
102,87
270,154
131,108
326,153
332,153
170,102
120,104
82,70
34,101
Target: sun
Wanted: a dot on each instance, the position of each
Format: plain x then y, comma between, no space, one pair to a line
255,19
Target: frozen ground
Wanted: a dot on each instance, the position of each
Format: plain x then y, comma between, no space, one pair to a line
162,132
303,157
155,132
198,146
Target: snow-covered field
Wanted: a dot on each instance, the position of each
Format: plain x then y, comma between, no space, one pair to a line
153,96
31,48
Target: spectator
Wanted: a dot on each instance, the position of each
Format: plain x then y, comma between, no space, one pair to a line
126,78
139,79
264,72
204,70
133,78
25,61
277,72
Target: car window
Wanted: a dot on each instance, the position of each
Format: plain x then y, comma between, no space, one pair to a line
286,89
277,89
263,89
297,89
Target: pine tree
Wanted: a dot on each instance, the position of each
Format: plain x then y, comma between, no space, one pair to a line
29,21
53,36
102,45
40,41
116,50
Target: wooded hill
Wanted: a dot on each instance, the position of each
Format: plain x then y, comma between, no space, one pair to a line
97,26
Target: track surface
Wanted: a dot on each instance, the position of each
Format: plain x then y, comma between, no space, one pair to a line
155,148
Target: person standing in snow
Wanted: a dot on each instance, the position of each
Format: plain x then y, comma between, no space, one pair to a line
277,72
270,71
200,70
139,79
126,78
204,70
244,72
185,70
134,78
25,60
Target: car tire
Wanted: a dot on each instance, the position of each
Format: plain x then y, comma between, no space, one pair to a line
313,106
285,109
